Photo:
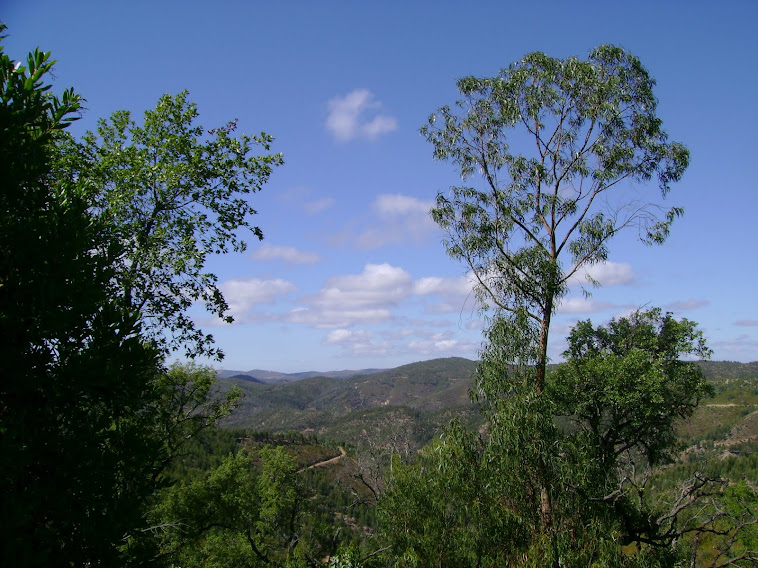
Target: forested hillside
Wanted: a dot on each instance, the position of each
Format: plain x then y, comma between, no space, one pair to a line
417,401
719,441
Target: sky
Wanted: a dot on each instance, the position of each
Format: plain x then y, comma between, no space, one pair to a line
352,273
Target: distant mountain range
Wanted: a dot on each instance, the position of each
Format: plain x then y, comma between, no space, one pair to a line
261,376
724,369
416,399
410,403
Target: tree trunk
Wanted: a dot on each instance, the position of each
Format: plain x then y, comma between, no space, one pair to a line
546,505
542,353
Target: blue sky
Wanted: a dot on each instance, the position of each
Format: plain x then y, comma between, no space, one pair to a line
351,273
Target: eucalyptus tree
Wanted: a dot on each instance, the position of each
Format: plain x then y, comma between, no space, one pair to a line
176,194
551,152
476,498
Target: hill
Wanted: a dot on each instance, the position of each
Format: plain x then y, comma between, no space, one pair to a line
275,376
410,404
416,399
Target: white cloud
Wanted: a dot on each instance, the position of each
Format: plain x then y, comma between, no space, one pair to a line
287,254
606,273
243,293
356,298
747,323
380,125
443,286
400,219
453,291
377,284
370,297
347,118
339,336
398,204
583,306
360,342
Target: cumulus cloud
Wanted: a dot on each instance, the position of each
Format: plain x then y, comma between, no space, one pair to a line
606,273
287,254
356,298
359,342
243,293
377,284
350,117
372,295
453,291
400,219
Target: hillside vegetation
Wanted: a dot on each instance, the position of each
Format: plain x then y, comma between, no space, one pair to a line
416,400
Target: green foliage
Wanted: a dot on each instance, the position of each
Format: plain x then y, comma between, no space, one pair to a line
587,126
252,510
89,418
625,385
176,194
188,404
443,510
76,375
528,492
208,519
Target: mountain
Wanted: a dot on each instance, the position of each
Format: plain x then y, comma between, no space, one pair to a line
275,376
410,404
417,399
244,377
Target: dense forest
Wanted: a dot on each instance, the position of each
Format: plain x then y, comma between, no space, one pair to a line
629,453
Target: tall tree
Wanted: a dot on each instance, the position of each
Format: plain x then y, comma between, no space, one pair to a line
89,418
537,213
618,397
176,194
76,373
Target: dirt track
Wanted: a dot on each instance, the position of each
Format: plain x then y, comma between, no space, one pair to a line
335,459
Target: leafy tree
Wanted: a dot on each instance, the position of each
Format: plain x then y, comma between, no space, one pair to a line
445,510
75,370
188,404
249,511
589,442
533,220
625,385
176,194
89,418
